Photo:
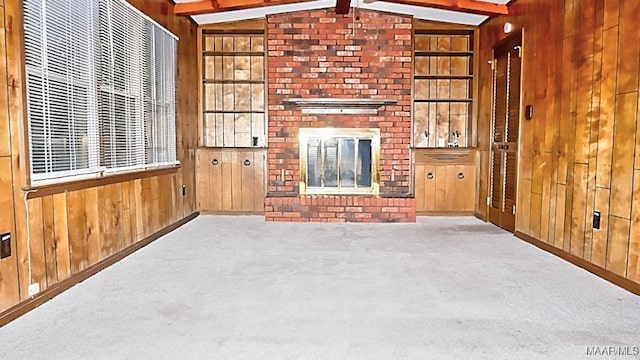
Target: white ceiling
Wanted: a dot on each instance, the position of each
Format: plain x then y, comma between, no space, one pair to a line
417,11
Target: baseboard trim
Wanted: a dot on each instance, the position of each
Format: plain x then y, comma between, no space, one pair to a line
231,213
444,213
480,216
27,305
590,267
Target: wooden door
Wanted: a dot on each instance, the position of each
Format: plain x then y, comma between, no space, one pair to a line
504,135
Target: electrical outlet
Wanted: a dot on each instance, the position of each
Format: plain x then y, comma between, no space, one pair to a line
5,245
596,220
33,289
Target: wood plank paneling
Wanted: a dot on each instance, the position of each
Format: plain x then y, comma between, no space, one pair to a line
618,245
8,267
49,240
579,199
590,125
561,196
623,157
607,106
61,232
600,236
633,266
72,230
629,45
5,141
77,225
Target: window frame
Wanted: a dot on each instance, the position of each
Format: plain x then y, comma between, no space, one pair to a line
372,134
54,181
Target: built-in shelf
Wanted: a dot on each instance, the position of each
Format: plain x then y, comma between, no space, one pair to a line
442,88
339,105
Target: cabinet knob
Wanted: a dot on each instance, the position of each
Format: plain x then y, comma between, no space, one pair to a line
247,162
214,162
460,176
430,176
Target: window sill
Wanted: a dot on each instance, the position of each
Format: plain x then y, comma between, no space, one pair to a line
37,191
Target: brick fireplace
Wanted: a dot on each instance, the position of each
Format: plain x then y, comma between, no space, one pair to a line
358,83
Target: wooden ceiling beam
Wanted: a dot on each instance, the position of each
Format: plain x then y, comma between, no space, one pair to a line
342,6
196,8
215,6
468,6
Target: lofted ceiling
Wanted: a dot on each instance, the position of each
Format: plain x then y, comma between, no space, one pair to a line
468,12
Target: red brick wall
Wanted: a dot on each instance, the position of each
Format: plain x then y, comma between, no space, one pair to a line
314,54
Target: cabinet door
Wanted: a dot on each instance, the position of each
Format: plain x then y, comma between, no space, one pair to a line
465,187
230,180
425,188
248,181
208,184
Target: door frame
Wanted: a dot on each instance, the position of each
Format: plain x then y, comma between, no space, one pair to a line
520,34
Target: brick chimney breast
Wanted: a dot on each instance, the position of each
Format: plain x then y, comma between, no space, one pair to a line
318,55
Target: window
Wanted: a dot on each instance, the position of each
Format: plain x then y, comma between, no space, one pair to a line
339,161
442,88
233,88
100,89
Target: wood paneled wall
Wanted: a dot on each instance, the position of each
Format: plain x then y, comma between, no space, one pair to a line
72,229
581,150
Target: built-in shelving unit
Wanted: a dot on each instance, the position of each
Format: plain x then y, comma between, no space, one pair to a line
443,76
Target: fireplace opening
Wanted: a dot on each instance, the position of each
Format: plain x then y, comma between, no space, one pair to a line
339,160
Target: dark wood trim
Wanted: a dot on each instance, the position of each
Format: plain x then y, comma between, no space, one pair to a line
480,216
448,31
209,31
465,6
590,267
54,290
342,7
46,190
517,35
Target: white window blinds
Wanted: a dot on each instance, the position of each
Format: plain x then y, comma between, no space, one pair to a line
100,89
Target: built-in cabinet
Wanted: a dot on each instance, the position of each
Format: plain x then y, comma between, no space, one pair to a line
230,180
445,181
230,163
442,82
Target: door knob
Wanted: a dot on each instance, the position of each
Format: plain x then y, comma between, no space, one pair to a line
506,147
247,162
430,176
460,176
214,162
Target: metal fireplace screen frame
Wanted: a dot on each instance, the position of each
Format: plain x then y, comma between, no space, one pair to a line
339,161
